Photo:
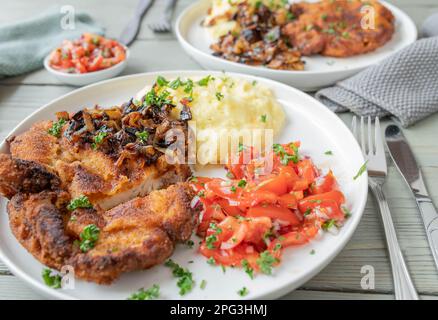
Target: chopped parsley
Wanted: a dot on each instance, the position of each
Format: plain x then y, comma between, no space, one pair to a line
79,202
263,118
312,252
285,157
211,239
88,237
204,81
233,189
345,35
243,292
307,212
152,98
241,183
241,147
266,262
247,268
55,130
219,96
347,213
98,139
149,294
362,169
188,86
142,136
203,284
185,280
328,153
254,82
162,82
190,243
51,280
328,224
175,84
211,261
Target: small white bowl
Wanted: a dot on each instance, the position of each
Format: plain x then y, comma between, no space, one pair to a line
82,79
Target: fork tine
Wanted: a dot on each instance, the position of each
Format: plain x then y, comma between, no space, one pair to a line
378,138
370,136
354,127
362,136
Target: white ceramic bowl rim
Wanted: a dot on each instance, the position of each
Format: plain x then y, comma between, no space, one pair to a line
81,75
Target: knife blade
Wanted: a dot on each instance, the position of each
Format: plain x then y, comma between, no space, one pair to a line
404,160
130,32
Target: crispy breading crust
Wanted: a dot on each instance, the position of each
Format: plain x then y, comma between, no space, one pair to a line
18,175
38,225
138,235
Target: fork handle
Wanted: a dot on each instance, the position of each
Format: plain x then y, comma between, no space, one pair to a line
168,9
403,286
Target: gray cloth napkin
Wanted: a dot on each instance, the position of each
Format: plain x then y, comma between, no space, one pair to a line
24,44
405,85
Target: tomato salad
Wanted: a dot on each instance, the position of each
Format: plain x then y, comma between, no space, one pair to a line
249,218
89,53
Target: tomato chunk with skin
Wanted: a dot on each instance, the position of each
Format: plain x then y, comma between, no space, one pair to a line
275,213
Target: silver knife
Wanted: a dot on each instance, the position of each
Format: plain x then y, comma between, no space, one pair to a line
131,30
405,162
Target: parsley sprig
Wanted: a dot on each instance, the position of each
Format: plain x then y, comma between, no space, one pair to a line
211,239
266,261
149,294
185,281
55,130
88,237
79,202
51,280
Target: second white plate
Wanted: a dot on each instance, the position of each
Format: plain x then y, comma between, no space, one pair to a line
319,71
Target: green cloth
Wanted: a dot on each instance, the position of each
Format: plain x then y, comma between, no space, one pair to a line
25,44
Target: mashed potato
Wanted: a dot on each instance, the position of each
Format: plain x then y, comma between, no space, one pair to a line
225,110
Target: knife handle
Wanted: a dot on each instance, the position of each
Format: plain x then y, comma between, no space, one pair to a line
403,286
430,220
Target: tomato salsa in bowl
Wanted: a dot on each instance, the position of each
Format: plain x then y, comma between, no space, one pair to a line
89,59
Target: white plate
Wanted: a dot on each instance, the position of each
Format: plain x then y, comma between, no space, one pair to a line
319,71
309,121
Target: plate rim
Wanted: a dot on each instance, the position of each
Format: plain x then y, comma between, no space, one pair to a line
279,291
186,44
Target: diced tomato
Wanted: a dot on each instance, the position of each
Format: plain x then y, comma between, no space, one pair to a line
288,200
324,184
275,184
306,170
275,213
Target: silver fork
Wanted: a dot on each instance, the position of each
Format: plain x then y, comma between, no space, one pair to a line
163,24
374,154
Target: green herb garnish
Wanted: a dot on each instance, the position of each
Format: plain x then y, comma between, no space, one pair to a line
328,153
219,96
362,169
203,284
79,202
142,136
247,268
89,237
243,292
328,224
241,183
98,138
52,281
149,294
204,81
185,280
162,82
266,262
55,130
263,118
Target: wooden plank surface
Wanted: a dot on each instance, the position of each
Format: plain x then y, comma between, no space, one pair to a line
19,96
